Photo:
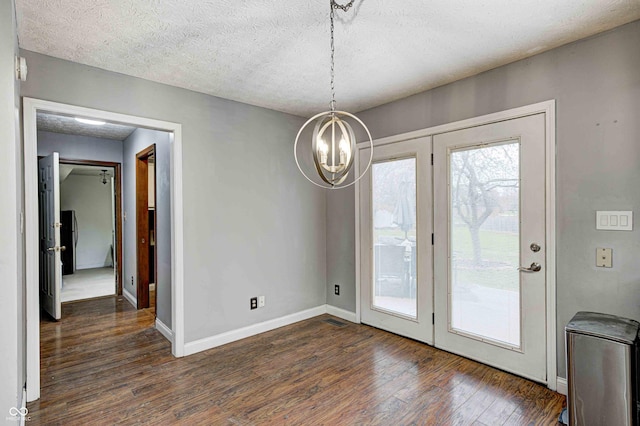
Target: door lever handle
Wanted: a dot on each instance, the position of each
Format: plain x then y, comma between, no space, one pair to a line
57,248
535,267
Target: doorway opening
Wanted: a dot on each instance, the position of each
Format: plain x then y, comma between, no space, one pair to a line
428,270
91,229
173,327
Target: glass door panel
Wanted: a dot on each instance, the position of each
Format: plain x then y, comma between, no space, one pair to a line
484,197
489,246
394,236
395,278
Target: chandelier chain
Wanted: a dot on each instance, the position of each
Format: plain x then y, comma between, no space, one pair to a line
344,8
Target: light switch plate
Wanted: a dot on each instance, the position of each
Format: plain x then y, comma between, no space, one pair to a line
614,220
604,257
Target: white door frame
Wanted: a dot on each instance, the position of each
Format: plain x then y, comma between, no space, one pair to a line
549,109
30,108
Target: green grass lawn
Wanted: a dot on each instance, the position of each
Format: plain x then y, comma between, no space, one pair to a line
500,252
496,246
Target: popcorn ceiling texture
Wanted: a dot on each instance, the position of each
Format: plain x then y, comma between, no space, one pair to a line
276,54
69,126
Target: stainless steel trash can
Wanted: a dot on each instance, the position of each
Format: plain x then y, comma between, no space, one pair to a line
602,365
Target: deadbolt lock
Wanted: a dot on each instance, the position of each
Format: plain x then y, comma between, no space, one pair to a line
534,247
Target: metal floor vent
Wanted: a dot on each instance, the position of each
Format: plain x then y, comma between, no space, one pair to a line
334,322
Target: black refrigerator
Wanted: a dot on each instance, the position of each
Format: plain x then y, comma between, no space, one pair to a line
69,239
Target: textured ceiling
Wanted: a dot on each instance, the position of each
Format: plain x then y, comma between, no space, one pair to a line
69,126
81,169
276,54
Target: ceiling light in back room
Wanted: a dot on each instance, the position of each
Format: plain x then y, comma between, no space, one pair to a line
92,122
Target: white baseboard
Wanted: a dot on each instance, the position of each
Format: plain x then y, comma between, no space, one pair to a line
561,386
251,330
164,330
130,297
341,313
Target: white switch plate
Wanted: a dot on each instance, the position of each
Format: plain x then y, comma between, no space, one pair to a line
604,257
261,302
614,220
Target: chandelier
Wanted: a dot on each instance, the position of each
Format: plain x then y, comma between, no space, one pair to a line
333,141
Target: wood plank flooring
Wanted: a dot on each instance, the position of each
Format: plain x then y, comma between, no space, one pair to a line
104,363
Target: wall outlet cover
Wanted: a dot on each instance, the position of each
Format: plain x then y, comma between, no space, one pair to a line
254,303
336,290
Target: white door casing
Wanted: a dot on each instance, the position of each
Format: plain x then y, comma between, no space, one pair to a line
417,326
49,224
472,316
30,108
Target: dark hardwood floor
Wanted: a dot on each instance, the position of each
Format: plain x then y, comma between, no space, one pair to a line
104,363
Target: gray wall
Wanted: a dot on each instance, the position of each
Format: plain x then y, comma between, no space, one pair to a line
136,142
341,249
596,85
76,147
12,306
252,224
91,200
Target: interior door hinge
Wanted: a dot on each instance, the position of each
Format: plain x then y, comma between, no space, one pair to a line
432,159
432,238
433,318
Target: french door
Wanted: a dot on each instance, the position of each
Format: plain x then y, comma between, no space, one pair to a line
395,228
490,249
460,235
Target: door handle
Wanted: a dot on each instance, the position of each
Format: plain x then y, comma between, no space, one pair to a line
57,248
535,267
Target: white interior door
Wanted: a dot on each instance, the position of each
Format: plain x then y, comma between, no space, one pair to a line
396,292
490,249
49,223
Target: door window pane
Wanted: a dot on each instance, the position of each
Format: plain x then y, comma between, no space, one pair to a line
394,236
485,242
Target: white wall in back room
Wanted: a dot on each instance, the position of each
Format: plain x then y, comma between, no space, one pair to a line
91,201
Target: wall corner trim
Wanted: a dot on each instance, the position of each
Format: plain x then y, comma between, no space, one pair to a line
562,386
342,313
130,297
200,345
23,405
164,330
